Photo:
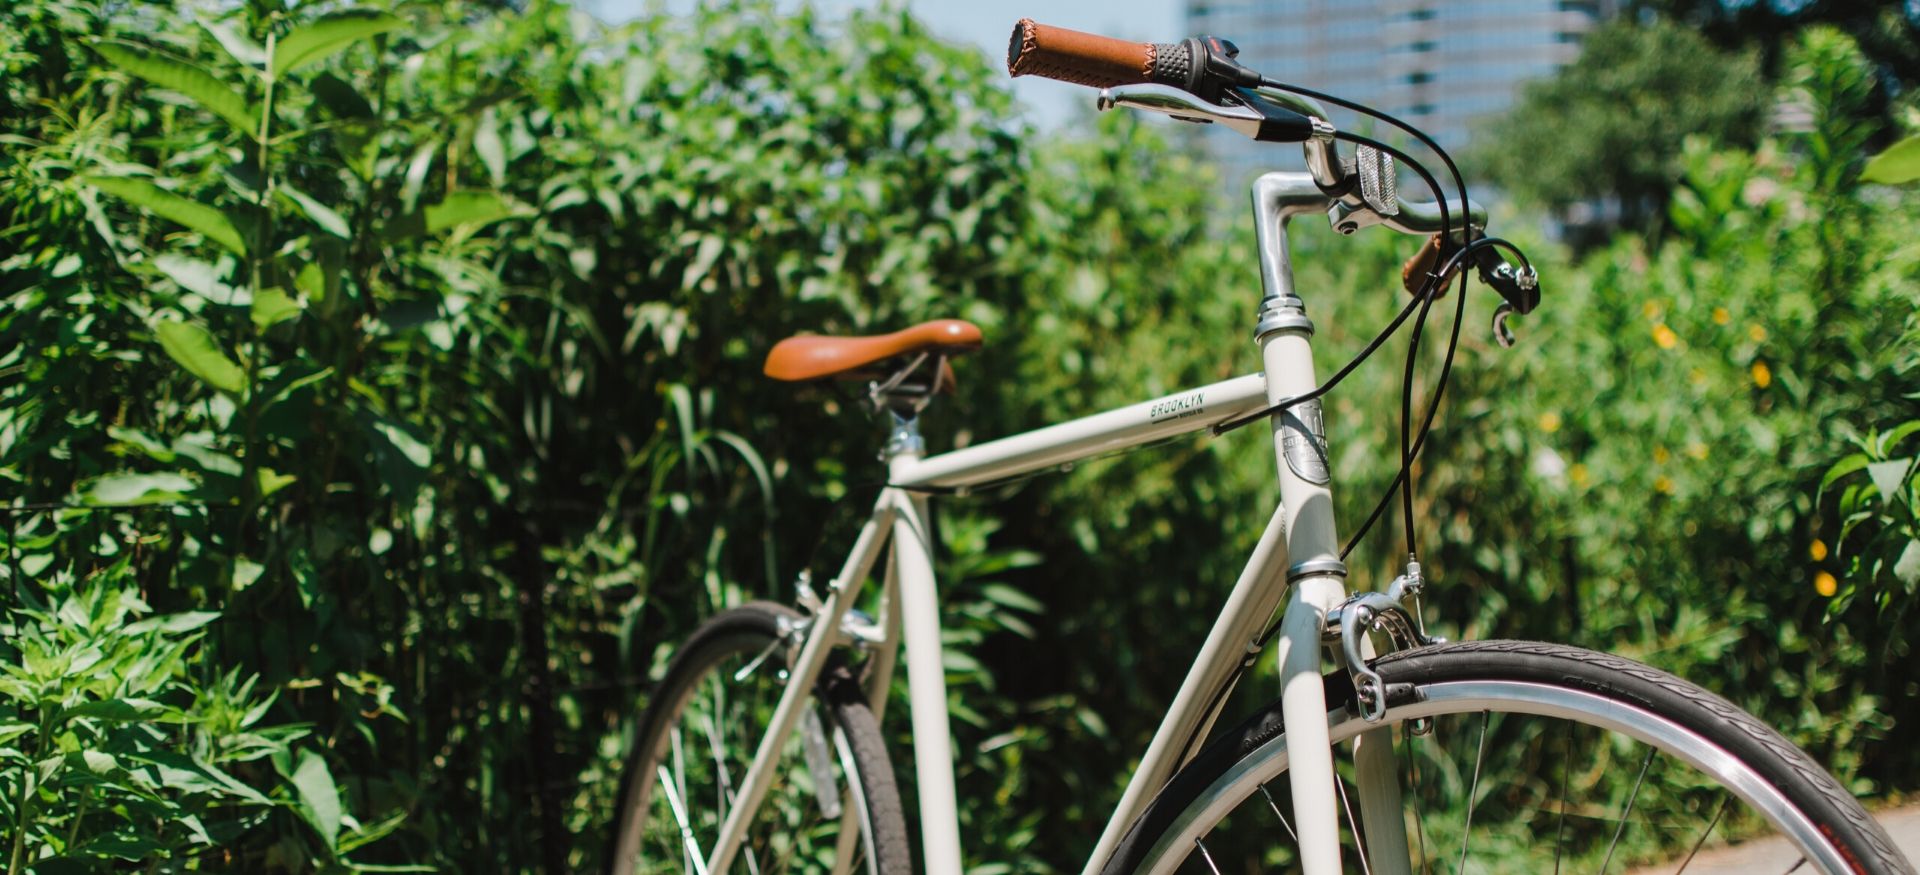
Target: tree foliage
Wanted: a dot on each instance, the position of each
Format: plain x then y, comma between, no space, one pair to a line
1609,126
1888,34
429,360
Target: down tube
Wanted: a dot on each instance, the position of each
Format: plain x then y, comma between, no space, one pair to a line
1235,635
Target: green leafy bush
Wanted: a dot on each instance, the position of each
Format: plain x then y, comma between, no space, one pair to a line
428,355
119,743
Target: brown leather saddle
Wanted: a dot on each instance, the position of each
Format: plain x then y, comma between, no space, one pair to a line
819,356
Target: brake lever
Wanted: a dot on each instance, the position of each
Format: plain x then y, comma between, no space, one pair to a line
1501,333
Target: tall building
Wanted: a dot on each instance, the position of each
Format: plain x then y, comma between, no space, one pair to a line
1443,66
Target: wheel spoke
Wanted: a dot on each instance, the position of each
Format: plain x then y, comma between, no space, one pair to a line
1473,789
1704,833
1560,828
1206,856
1276,813
1359,846
1628,810
717,744
1419,818
698,859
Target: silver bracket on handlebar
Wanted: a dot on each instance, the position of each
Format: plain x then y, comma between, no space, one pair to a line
1379,180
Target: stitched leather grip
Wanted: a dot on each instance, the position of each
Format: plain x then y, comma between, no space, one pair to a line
1414,273
1080,58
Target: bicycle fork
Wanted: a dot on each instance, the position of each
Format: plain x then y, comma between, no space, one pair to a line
1315,571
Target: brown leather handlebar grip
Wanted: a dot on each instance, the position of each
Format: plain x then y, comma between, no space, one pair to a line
1079,58
1415,272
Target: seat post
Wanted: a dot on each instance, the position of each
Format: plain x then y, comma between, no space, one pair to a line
904,435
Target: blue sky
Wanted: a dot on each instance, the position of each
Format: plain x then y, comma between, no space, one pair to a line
986,23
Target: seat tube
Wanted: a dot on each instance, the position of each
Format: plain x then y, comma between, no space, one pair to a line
1318,577
926,672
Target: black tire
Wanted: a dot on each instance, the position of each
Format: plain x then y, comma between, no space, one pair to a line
1240,766
646,837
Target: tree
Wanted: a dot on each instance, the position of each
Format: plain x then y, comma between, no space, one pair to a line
1888,34
1610,125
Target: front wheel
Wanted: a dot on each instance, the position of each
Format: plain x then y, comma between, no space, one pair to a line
1521,757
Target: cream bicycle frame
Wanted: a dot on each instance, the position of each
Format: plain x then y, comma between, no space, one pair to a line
1296,561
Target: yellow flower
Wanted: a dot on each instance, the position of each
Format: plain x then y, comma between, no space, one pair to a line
1817,549
1660,455
1651,309
1721,316
1757,333
1550,422
1578,473
1824,584
1762,375
1663,485
1697,450
1664,336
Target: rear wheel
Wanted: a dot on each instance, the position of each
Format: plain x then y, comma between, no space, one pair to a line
1522,757
833,805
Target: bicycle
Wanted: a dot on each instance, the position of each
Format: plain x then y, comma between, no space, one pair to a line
736,710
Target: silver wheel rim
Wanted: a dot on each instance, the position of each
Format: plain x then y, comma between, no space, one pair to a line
1269,760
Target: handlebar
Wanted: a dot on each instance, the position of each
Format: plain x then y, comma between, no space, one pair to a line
1086,59
1199,80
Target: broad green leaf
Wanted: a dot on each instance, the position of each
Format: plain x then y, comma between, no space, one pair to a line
1899,164
272,481
703,260
138,489
1907,568
194,349
286,391
317,282
167,205
1888,475
487,145
321,214
1002,594
320,39
272,307
242,47
179,74
408,445
468,208
174,624
146,443
10,730
340,98
174,770
121,710
201,278
319,798
458,209
245,572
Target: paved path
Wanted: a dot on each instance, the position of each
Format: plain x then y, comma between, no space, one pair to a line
1771,856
